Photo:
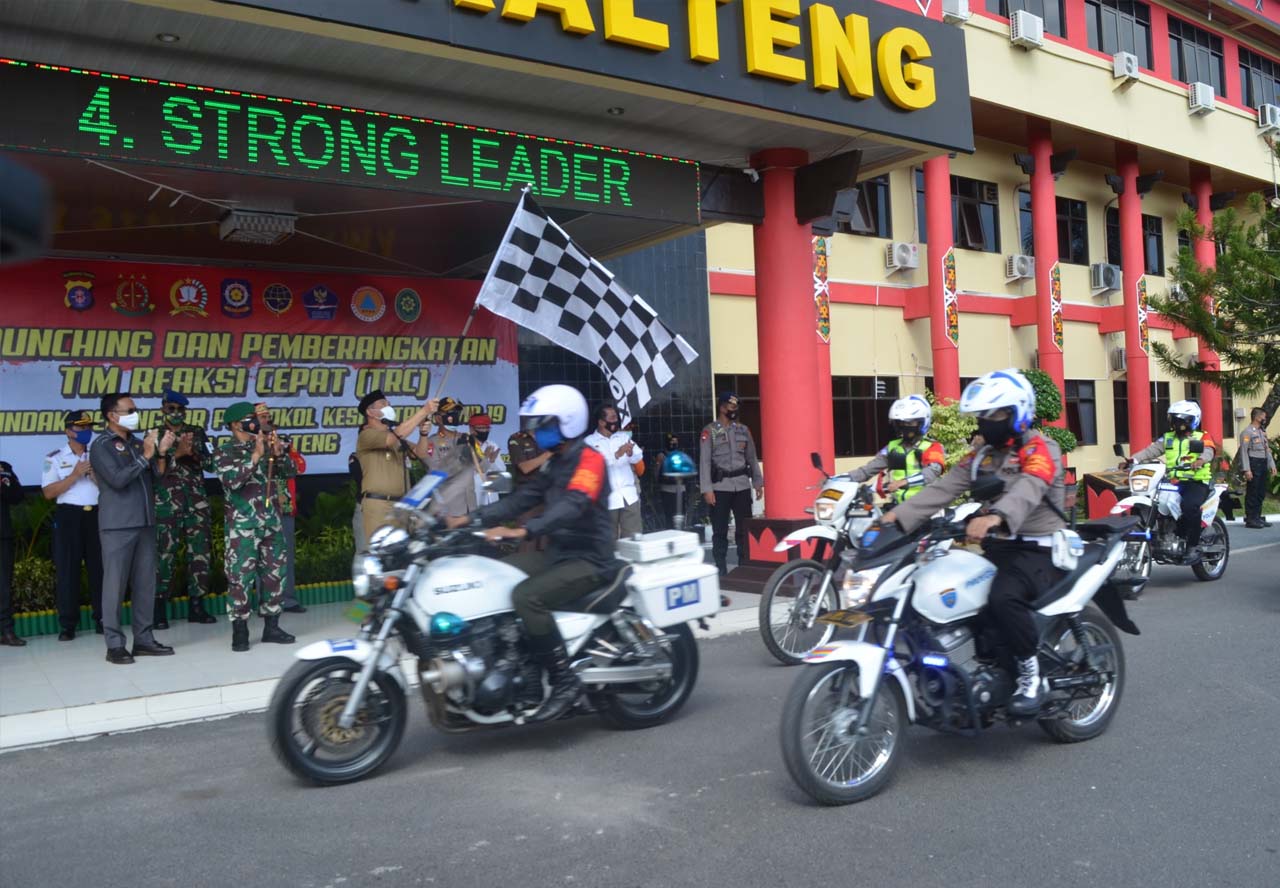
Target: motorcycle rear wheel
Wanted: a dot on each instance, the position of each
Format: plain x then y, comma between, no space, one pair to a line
302,721
1088,717
632,707
788,595
1214,570
821,754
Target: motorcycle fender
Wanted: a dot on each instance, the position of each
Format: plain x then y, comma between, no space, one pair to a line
804,534
1125,506
357,650
1086,586
870,660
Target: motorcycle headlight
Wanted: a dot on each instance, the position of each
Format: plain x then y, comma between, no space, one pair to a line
1139,484
824,510
365,570
856,586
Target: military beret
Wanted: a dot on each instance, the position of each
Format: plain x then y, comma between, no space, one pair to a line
237,412
79,418
480,421
725,398
370,399
169,396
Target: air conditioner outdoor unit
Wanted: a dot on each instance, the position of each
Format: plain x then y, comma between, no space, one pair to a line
955,12
1268,119
899,256
1026,29
1200,99
1124,66
1118,362
1103,276
1019,267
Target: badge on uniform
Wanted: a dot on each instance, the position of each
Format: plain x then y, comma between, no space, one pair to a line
120,446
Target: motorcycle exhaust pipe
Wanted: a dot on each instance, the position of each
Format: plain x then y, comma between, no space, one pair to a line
1067,682
608,675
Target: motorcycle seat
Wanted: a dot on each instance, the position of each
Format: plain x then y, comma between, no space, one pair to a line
1109,525
605,598
1092,555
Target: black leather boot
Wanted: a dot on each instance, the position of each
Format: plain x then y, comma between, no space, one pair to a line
161,620
197,614
566,688
271,631
239,635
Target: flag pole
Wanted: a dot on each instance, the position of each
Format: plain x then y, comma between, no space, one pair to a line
475,306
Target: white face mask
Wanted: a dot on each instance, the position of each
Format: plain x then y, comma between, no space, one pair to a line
387,413
626,436
130,421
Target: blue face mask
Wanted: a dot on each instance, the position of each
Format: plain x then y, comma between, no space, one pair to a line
548,437
84,436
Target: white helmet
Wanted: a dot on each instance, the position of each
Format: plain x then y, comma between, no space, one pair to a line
555,414
912,409
998,390
1189,410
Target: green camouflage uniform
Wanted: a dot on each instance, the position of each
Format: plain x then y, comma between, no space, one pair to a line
183,515
256,551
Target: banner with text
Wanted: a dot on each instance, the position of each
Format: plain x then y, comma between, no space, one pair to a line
308,344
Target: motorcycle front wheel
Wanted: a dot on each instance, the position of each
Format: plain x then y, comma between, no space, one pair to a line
634,706
303,721
824,752
789,607
1216,540
1088,713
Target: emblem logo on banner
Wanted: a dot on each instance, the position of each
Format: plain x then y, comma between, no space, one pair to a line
408,305
132,296
950,302
237,298
189,296
277,298
320,302
368,304
821,288
1055,303
79,290
1144,335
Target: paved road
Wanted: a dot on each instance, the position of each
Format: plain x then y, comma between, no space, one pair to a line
1184,790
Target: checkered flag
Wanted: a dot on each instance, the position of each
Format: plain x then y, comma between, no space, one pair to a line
543,281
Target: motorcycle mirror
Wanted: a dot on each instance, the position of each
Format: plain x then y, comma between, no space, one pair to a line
1196,446
816,459
498,482
1117,449
987,488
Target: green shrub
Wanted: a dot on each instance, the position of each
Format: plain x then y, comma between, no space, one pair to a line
34,584
951,429
326,556
1049,408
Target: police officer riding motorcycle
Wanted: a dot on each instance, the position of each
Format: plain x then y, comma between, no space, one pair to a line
911,459
1188,454
1016,528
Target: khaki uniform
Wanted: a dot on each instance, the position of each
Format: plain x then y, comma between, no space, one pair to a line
1255,456
727,466
445,453
384,477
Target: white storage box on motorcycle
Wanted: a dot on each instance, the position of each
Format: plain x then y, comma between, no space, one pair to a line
669,583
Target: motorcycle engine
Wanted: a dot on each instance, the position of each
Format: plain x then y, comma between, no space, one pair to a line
944,692
509,675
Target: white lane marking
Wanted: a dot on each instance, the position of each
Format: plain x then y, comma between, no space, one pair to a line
1253,548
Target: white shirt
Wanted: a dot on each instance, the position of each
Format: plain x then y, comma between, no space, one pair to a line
58,465
487,497
622,478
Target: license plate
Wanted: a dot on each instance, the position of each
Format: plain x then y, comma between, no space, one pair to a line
846,618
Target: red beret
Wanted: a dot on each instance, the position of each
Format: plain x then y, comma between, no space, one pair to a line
480,421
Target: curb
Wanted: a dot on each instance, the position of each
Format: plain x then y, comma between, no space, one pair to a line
30,729
1239,522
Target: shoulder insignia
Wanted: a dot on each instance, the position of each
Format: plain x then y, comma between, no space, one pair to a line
935,454
706,434
1208,441
53,453
967,459
884,451
588,477
1035,460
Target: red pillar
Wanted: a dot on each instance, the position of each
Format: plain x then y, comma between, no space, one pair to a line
1133,267
1207,256
826,423
790,402
1044,228
938,231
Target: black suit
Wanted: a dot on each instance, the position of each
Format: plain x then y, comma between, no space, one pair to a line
10,494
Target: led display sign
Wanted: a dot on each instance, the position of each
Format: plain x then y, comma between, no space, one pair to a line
62,110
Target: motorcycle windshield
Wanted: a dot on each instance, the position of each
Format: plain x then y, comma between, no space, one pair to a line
421,492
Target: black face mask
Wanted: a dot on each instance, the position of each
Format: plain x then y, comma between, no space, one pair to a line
995,431
481,436
450,419
731,415
250,426
612,427
1182,428
907,431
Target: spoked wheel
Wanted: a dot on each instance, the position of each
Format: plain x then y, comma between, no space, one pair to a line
789,607
824,752
1090,710
304,715
1215,546
643,705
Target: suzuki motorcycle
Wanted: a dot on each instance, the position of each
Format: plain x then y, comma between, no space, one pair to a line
1157,505
803,589
926,655
340,711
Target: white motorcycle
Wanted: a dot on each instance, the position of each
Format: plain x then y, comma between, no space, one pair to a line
926,655
800,591
1157,505
340,711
